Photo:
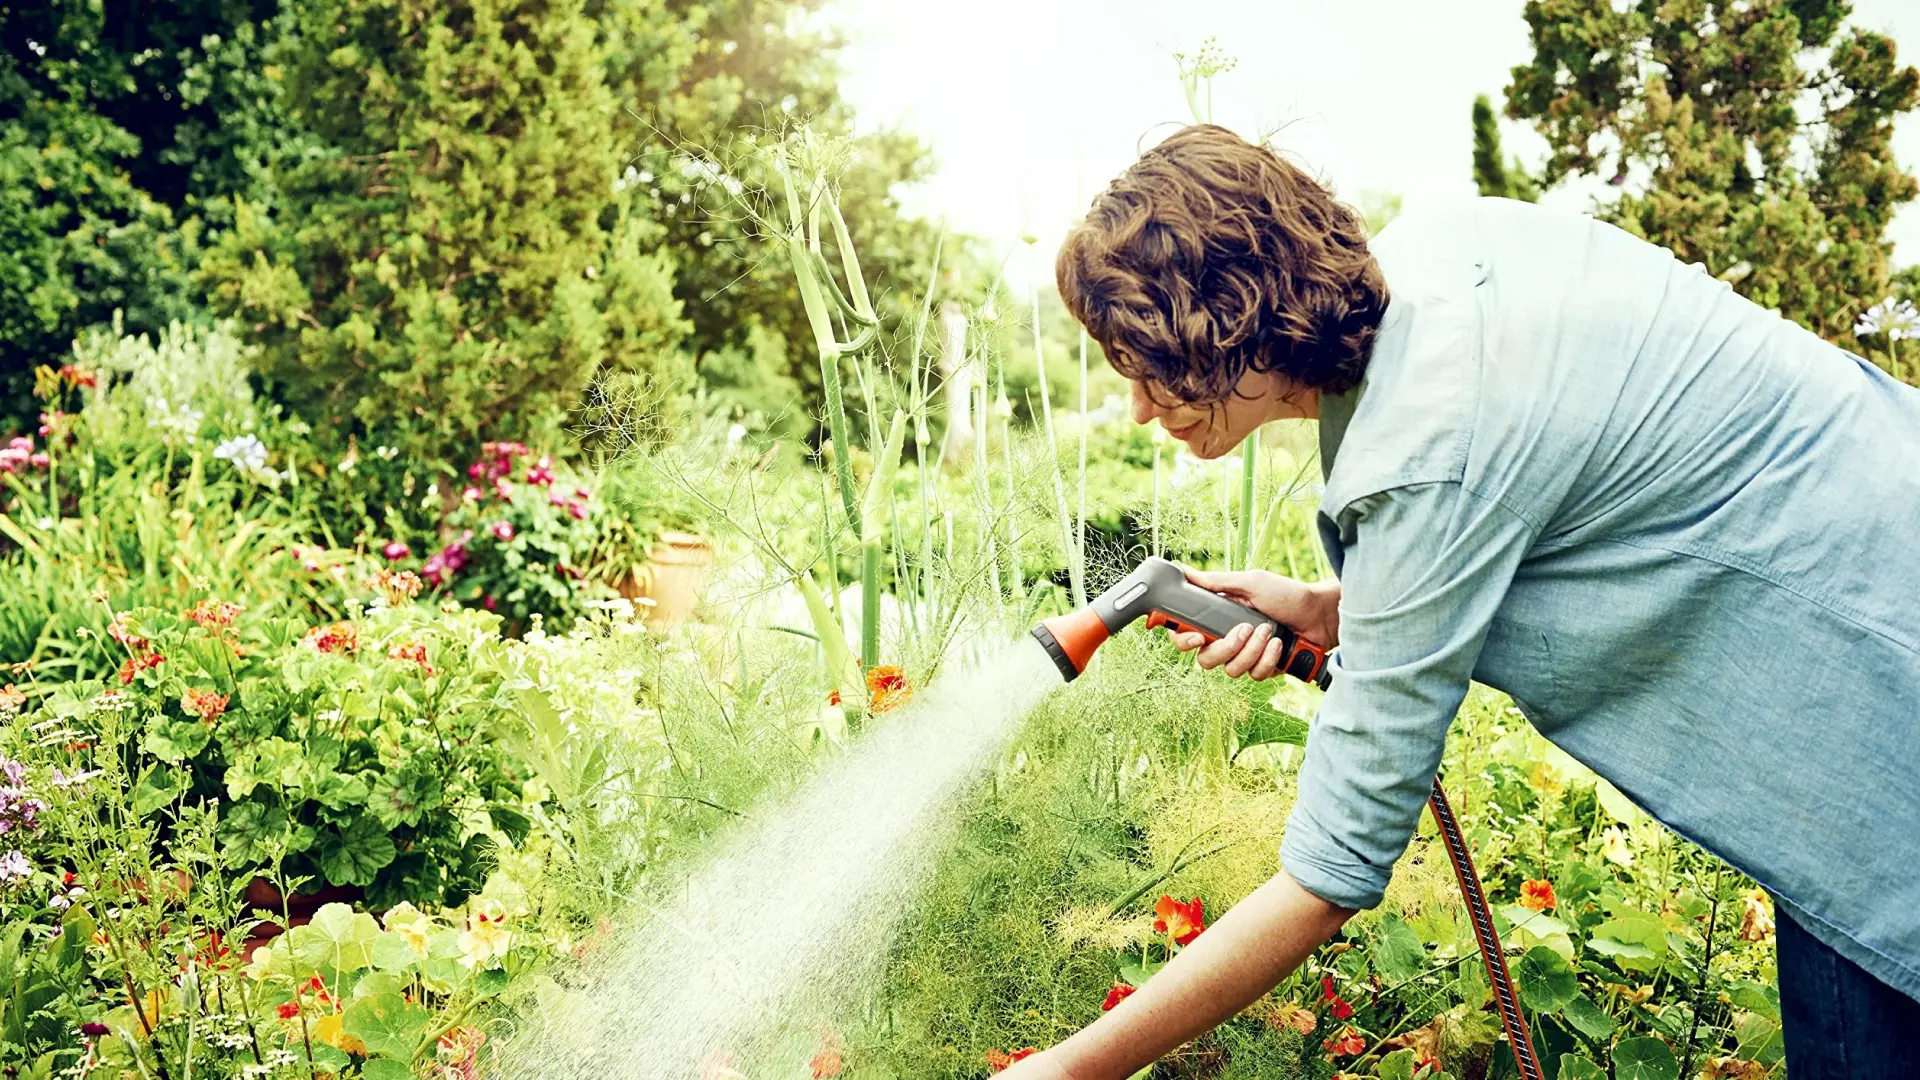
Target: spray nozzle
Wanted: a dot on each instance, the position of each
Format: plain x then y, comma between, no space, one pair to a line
1160,591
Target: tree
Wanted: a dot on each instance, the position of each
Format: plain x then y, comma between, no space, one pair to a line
118,121
465,257
1752,136
1493,174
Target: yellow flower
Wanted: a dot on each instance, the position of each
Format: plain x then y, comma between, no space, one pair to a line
1614,847
484,940
1756,917
413,926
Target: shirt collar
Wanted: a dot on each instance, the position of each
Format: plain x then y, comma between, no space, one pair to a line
1336,412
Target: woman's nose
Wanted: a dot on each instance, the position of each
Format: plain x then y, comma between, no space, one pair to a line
1144,407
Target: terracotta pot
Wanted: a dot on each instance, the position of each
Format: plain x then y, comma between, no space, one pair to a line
676,575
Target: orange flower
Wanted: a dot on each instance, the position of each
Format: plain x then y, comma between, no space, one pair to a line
11,698
413,652
1115,996
887,687
1756,922
1000,1062
1348,1042
826,1061
340,637
204,704
1537,895
1181,922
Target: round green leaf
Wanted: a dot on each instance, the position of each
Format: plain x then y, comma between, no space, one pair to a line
1546,982
386,1069
389,1024
1396,951
1576,1067
1644,1059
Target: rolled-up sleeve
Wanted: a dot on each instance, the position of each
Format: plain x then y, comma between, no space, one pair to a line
1423,569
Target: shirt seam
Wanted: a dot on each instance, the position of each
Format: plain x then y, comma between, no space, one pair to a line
1765,574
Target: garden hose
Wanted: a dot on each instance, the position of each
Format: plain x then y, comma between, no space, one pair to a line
1159,591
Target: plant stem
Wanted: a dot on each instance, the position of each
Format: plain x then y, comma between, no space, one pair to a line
1706,966
1249,463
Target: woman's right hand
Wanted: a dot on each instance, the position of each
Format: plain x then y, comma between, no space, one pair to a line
1312,611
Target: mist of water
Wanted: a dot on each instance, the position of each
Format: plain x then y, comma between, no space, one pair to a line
776,932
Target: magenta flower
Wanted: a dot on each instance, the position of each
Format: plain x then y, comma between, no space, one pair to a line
396,550
503,531
471,494
540,473
502,489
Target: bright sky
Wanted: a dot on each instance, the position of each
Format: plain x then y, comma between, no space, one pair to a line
1031,106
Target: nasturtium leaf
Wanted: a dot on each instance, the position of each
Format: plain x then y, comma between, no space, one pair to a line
386,1069
1644,1058
1757,1038
1135,973
1587,1018
338,937
158,787
353,855
392,953
1634,939
442,966
1528,927
1576,1067
1396,950
1546,982
389,1024
1756,998
1396,1066
327,1059
378,982
489,982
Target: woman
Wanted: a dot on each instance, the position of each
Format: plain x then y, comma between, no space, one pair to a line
1682,532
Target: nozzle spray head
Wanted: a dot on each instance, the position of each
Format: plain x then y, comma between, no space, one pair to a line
1160,591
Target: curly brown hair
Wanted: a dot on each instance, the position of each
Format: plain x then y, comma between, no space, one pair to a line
1211,257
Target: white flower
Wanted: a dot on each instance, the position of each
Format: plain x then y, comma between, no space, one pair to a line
247,453
1897,319
734,434
14,867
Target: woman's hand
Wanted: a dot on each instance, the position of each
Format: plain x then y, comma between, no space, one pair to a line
1312,611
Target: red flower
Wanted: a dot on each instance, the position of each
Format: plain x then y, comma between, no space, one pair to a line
1537,895
75,375
541,474
288,1010
93,1030
1116,995
1000,1062
1181,922
1341,1008
204,704
215,615
826,1061
1348,1042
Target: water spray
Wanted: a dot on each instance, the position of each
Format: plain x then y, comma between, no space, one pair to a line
1159,591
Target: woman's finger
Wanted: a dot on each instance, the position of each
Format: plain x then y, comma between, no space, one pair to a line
1187,642
1249,653
1269,663
1225,649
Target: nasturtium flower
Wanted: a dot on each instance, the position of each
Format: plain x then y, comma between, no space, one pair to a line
826,1062
484,941
1348,1043
1297,1018
887,688
1116,995
1613,845
1181,922
1756,917
287,1010
1537,895
1340,1007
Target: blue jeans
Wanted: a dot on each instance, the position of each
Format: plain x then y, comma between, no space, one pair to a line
1840,1023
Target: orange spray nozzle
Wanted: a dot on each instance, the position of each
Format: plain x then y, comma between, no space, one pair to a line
1072,638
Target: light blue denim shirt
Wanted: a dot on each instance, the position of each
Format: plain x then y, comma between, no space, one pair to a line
1682,532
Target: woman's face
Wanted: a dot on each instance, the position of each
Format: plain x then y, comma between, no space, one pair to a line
1212,430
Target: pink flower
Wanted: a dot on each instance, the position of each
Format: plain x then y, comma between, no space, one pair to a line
503,531
501,488
578,510
39,460
471,494
489,602
541,472
396,550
